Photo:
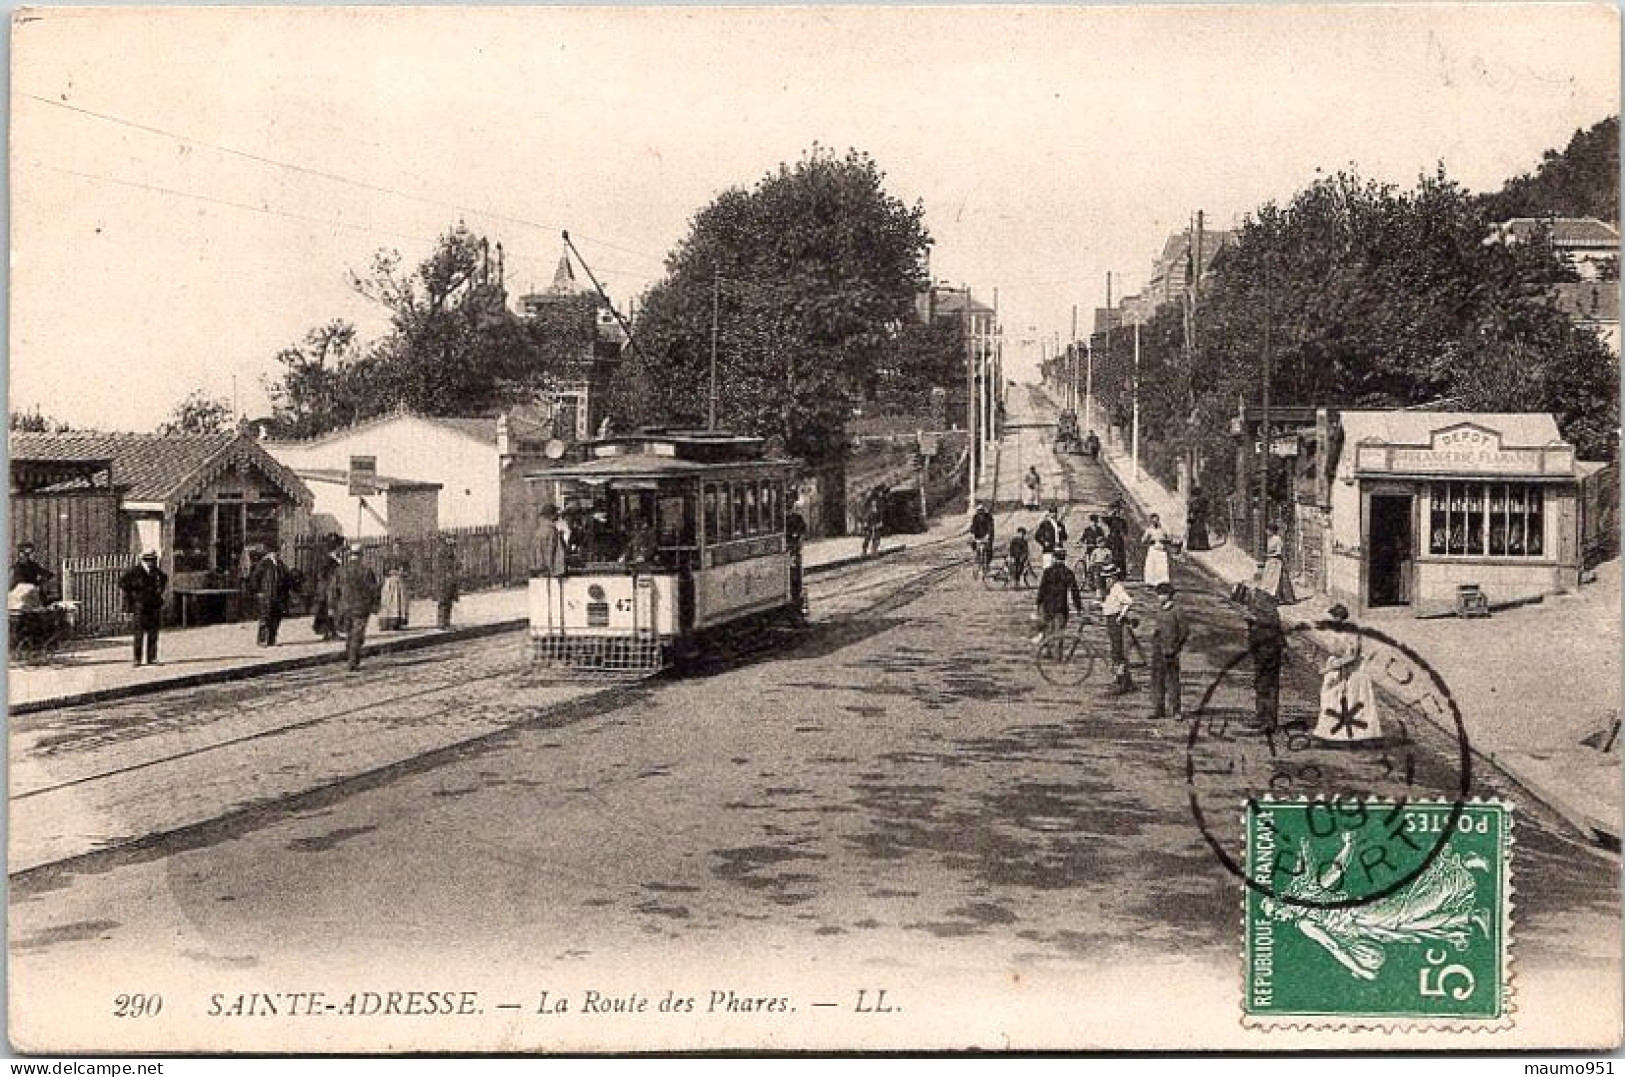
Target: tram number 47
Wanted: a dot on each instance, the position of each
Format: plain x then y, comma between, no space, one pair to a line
1439,987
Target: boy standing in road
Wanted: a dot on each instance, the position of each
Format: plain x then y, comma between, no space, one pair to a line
1115,608
1020,555
1168,636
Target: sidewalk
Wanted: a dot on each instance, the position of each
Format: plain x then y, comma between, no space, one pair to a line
97,670
1532,682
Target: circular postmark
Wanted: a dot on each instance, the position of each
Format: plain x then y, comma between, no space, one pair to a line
1378,732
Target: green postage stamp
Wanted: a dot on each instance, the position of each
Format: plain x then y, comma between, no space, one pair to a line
1372,914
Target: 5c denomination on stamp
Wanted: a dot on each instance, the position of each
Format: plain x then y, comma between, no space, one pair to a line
1324,950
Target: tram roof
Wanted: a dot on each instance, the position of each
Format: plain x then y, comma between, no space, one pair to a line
649,466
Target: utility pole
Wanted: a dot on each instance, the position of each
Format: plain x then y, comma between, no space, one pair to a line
1089,384
970,401
1264,428
1136,420
1196,305
1072,365
711,411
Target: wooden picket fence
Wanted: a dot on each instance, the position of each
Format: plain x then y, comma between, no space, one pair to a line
92,584
487,558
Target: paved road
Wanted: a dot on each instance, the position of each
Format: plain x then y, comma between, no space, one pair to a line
889,800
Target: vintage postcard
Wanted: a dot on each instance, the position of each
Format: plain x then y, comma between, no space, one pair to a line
813,529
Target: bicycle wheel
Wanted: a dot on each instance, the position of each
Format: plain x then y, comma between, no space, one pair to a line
995,578
1065,661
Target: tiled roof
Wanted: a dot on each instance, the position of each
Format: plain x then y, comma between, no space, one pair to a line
1588,301
157,467
1565,231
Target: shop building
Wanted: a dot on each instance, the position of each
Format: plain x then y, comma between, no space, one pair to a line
1422,504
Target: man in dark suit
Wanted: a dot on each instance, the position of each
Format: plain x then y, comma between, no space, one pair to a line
145,588
270,581
355,598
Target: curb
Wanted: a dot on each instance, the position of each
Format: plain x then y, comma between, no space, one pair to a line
284,665
240,673
855,559
1595,831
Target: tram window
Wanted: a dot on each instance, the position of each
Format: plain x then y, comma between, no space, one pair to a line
711,534
740,530
771,521
753,523
675,521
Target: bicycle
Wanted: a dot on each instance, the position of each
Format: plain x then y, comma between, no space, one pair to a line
1002,575
1066,658
981,557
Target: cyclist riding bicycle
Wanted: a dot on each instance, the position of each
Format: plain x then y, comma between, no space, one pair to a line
981,531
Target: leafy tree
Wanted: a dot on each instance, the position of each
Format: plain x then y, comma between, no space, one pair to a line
1373,297
199,413
814,272
453,347
1580,181
36,422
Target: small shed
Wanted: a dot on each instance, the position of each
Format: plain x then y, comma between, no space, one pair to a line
201,500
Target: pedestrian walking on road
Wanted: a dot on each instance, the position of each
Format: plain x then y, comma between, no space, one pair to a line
1021,555
1168,637
1117,537
1050,534
1055,588
1266,643
1196,521
1033,497
271,583
328,560
872,513
355,598
446,585
1156,552
146,590
1091,445
395,603
547,547
1272,574
1117,608
795,533
1348,703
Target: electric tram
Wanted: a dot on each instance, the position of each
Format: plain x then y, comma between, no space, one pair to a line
671,535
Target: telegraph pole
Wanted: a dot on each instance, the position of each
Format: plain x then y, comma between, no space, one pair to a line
711,411
970,400
1264,427
1136,420
1072,365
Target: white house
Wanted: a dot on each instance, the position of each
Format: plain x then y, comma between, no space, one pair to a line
477,463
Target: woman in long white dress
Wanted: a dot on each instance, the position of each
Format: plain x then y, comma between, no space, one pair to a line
394,602
1348,703
1156,552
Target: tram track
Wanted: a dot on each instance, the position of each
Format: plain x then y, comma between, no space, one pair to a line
141,780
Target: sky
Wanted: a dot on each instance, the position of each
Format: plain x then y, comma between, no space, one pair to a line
191,187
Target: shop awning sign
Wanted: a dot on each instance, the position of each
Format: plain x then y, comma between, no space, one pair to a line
1464,449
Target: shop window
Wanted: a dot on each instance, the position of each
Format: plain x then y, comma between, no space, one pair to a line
1472,519
194,533
264,525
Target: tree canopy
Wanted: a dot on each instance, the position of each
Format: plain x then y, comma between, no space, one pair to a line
199,413
1581,180
453,346
814,272
1374,297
